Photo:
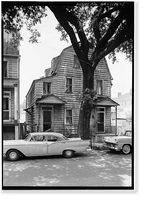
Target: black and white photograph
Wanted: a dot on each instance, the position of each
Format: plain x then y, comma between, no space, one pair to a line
68,95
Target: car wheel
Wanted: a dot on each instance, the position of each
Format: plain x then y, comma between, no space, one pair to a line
68,153
126,149
13,155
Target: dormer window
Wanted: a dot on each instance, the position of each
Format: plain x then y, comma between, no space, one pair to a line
69,85
99,88
46,88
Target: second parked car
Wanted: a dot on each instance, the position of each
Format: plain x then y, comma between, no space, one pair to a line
120,143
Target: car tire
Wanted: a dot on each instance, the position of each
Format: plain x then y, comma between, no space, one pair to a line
126,149
68,153
13,155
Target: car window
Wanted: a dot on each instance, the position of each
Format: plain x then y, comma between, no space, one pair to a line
52,138
38,138
27,138
128,133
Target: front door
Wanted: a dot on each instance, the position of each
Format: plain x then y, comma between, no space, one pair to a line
100,119
47,119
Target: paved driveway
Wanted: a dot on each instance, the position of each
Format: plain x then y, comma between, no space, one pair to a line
96,168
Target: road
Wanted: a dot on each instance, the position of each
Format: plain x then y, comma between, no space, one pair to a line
96,168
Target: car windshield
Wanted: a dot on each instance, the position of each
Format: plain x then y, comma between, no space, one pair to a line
128,133
65,138
27,137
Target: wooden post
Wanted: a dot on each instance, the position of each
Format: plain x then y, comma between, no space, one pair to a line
116,120
16,117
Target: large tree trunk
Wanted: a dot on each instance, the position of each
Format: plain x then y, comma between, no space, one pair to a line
86,107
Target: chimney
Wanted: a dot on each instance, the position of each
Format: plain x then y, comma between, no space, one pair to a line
119,94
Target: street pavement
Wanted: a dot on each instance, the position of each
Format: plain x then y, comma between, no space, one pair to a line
98,168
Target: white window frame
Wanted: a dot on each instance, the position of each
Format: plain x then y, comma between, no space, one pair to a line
45,83
97,86
68,77
9,99
66,116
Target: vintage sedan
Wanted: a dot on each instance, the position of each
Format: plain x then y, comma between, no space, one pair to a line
43,144
120,143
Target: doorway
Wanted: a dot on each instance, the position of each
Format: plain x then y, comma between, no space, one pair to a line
47,118
100,119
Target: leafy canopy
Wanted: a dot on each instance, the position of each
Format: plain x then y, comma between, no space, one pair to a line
107,27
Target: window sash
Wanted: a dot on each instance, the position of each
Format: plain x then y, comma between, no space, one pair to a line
6,106
99,86
69,84
69,117
46,88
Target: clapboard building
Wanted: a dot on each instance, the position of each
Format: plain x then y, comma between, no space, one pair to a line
52,101
10,89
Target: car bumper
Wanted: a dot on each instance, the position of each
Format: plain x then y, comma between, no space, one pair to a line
88,149
115,147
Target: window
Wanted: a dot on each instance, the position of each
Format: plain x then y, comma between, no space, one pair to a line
69,117
76,62
6,106
99,87
69,85
46,88
5,70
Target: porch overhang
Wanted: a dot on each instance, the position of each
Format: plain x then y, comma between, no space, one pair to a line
105,101
50,99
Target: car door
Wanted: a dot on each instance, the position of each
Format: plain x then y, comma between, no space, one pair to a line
56,145
37,146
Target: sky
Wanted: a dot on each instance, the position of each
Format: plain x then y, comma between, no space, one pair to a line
35,58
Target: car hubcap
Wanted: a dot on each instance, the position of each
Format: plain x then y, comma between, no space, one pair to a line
13,155
69,153
126,149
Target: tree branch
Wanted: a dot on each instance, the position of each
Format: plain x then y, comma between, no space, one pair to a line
108,13
75,22
123,36
101,46
95,24
67,27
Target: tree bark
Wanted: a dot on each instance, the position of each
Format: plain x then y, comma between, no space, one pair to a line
86,107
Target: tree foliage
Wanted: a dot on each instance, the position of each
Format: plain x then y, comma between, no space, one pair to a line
107,26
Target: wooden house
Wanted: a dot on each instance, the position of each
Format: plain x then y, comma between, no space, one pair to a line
10,75
52,101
